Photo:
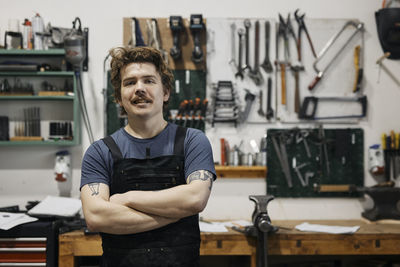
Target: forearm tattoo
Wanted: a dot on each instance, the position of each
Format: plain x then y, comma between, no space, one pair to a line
94,187
201,175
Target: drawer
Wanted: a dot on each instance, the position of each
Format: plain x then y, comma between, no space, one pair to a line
23,251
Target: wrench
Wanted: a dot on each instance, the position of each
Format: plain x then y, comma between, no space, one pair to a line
232,61
270,111
247,25
240,69
267,65
255,73
260,110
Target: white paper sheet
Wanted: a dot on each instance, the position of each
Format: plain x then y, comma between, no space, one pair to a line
308,227
212,227
57,206
9,220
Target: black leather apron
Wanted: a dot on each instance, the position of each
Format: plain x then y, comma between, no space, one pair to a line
174,245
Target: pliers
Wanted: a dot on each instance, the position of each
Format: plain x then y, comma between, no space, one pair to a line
302,27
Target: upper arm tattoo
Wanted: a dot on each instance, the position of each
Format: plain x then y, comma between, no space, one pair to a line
201,175
94,187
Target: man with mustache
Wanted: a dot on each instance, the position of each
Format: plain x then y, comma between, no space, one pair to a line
143,187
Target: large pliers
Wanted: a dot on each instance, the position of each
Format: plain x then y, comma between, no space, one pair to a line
302,27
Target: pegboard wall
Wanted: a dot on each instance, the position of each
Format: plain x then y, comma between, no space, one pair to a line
337,81
186,41
335,157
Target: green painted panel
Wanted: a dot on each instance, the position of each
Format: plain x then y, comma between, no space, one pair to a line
345,150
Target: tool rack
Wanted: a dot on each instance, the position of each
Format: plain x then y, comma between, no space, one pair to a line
54,105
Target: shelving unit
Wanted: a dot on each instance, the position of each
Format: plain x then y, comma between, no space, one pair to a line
56,105
241,171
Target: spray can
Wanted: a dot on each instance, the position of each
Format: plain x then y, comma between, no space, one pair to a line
38,29
27,34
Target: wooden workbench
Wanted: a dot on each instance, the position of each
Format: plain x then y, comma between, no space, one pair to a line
370,239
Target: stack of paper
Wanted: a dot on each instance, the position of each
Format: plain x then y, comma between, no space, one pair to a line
57,206
9,220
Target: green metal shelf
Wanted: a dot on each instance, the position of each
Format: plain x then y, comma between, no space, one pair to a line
37,73
40,143
36,97
22,52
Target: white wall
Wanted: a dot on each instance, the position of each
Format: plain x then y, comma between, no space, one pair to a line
27,173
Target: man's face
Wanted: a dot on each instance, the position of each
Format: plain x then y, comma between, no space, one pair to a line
142,91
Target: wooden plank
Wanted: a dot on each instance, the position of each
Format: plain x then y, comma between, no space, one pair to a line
241,171
186,42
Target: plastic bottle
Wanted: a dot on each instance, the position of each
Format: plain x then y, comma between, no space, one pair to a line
27,34
38,28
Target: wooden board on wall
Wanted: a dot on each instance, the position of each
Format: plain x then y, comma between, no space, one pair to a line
186,42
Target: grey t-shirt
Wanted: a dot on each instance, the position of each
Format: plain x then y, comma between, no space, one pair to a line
97,164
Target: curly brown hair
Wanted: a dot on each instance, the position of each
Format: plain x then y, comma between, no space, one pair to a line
122,56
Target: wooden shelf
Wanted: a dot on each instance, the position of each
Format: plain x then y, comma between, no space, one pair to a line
241,171
22,52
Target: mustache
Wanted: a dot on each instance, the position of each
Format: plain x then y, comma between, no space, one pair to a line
140,96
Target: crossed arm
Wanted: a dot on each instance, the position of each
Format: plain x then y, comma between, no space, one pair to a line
139,211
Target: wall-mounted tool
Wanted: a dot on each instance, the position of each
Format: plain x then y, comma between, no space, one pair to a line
232,60
240,66
255,73
270,111
298,66
249,99
309,108
154,37
247,26
302,27
75,53
284,31
225,108
279,143
197,27
358,28
267,65
358,65
136,34
176,26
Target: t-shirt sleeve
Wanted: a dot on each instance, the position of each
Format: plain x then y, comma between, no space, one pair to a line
96,164
198,153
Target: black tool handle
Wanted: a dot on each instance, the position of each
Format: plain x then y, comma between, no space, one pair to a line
363,102
305,108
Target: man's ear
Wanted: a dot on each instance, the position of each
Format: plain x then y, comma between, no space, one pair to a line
166,95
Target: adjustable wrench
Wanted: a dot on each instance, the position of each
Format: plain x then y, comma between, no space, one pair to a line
239,72
267,65
247,25
255,73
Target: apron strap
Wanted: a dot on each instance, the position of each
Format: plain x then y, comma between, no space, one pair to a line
179,144
115,151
